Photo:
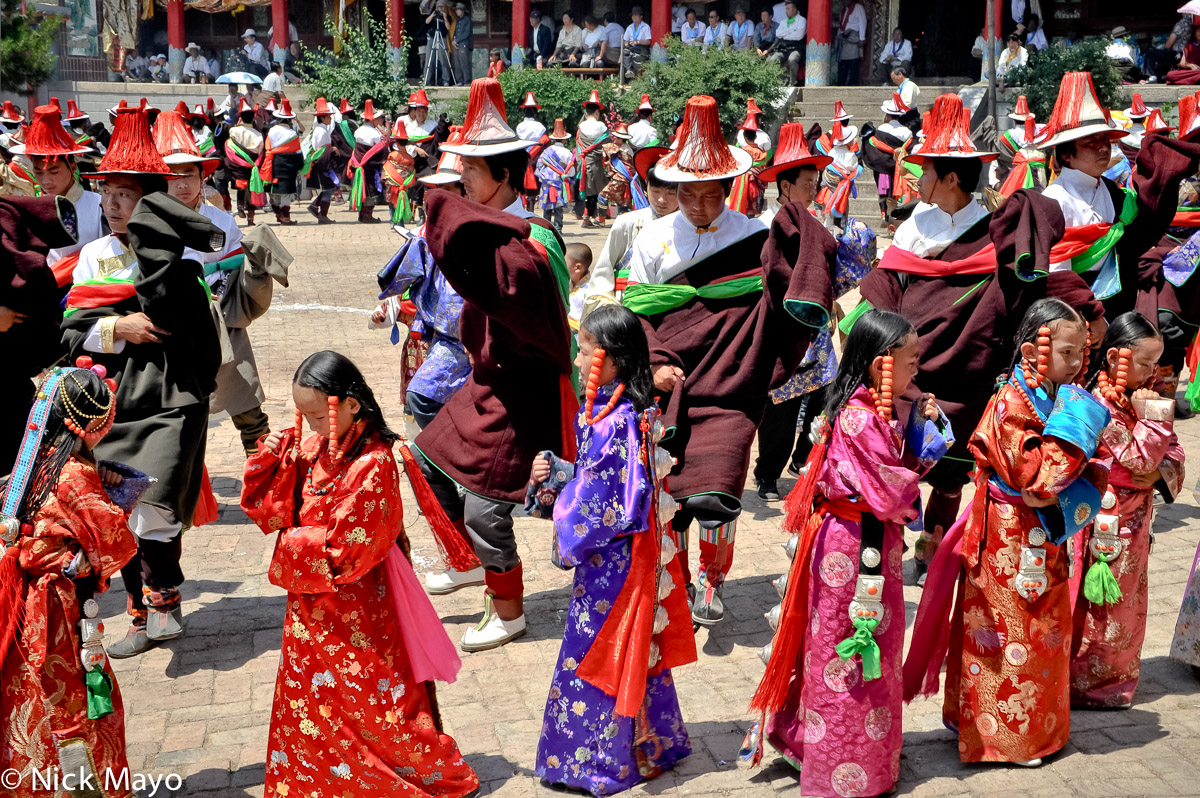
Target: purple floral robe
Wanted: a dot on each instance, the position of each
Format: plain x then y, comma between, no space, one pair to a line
584,744
844,732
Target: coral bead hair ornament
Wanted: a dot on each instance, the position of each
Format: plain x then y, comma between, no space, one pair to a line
1114,390
593,389
1077,113
883,396
701,152
485,129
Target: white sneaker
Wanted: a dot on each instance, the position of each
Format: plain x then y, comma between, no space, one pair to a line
492,631
449,581
1029,763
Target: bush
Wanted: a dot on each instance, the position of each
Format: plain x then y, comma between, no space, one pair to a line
1040,78
559,94
25,49
727,76
362,69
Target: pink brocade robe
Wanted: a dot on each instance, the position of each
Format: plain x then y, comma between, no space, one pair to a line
844,732
1007,686
43,688
349,720
1106,652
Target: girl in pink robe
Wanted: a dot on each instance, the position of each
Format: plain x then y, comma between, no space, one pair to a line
1107,644
843,611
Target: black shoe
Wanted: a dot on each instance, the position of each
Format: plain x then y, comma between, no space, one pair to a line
707,608
793,470
768,490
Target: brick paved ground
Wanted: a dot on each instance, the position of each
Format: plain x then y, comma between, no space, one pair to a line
199,706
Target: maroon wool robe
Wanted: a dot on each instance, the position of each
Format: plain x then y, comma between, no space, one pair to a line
966,322
514,326
733,351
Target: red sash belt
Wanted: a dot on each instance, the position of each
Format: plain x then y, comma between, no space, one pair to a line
1075,242
64,270
268,166
98,295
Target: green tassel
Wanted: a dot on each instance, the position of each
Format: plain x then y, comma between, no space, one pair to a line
846,324
862,642
99,694
1193,395
1100,586
357,189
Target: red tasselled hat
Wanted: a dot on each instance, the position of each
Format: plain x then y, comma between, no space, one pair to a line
1189,117
647,157
344,108
843,135
210,107
485,128
174,142
530,102
244,107
46,136
449,168
1077,113
368,109
594,99
560,131
1020,110
750,123
752,107
700,151
646,106
285,110
73,112
793,152
419,99
839,112
1137,109
11,114
948,133
322,108
895,106
1156,124
131,149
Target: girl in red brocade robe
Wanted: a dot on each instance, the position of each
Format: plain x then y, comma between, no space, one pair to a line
66,539
1110,615
355,715
1007,686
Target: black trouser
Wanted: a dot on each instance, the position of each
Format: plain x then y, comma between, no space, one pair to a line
848,71
777,433
156,567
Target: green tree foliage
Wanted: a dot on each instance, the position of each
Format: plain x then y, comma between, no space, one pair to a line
26,58
729,77
1040,78
362,69
559,94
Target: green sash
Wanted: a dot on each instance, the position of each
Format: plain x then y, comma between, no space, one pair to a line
649,299
1104,244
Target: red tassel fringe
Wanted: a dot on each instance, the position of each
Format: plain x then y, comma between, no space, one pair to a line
702,149
456,553
131,148
171,135
12,607
46,134
483,92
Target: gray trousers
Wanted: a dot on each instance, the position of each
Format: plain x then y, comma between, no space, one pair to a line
462,66
488,522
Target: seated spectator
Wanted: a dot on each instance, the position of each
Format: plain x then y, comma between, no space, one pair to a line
790,42
1125,54
1188,71
293,72
1161,60
159,71
908,90
135,65
596,52
496,65
570,41
256,55
692,32
979,52
678,17
214,66
897,52
717,31
1074,36
740,32
541,39
764,33
273,82
612,33
1014,56
1035,37
636,42
195,68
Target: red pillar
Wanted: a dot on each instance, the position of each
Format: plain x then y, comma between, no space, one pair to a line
820,25
660,19
520,22
281,35
999,13
395,25
176,40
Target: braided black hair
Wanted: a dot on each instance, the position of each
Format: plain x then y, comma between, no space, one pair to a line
1125,331
874,334
1042,313
334,374
619,331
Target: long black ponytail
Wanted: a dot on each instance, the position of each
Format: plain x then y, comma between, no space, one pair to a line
335,374
620,332
875,333
1125,331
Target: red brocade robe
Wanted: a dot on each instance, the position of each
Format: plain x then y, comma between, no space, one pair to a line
349,720
42,691
1007,687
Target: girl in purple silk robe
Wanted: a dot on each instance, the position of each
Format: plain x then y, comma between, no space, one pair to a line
843,611
1106,648
606,527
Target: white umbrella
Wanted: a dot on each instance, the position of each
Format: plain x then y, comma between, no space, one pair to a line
1191,7
250,77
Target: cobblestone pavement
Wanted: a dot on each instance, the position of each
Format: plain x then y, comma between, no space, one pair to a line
200,705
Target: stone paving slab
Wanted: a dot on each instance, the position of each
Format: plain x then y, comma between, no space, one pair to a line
200,706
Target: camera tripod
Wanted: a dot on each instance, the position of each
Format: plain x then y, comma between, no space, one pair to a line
436,55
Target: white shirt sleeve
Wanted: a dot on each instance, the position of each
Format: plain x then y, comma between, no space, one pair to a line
643,268
92,342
